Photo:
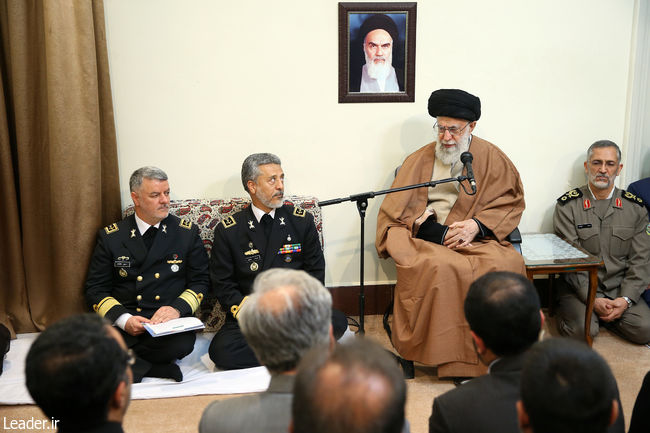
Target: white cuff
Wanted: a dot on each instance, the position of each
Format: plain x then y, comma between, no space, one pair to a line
121,321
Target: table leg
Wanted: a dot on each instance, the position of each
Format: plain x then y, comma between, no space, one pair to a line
591,296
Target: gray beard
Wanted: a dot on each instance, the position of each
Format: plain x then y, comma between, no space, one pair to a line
449,157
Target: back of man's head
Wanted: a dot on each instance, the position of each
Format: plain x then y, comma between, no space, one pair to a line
358,388
566,387
289,313
503,309
73,368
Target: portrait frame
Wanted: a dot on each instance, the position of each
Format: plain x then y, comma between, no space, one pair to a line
351,52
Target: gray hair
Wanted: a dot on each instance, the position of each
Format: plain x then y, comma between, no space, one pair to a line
148,172
289,313
250,167
604,143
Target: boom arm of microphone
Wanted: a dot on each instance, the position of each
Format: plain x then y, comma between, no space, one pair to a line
466,158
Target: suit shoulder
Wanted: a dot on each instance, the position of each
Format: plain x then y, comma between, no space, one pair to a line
633,198
569,196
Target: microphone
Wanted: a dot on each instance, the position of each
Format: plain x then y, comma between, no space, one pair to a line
466,158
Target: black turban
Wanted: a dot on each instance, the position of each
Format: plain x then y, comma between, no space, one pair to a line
454,103
379,21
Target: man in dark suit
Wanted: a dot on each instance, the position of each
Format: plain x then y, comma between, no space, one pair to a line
267,234
287,315
567,387
150,267
505,318
77,371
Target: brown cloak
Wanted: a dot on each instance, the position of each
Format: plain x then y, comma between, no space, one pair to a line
432,280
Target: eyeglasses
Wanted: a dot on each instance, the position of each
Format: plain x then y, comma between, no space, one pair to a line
130,360
454,130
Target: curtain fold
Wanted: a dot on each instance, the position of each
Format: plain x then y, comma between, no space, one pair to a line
59,155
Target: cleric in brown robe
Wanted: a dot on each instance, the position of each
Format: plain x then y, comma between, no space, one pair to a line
442,239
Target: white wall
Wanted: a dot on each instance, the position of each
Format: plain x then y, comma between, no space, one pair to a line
200,84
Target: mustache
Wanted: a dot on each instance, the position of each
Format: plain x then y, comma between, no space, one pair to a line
279,194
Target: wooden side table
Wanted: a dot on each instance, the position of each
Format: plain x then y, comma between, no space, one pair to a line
548,254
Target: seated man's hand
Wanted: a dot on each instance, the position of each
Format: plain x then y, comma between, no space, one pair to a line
134,326
163,314
461,234
616,309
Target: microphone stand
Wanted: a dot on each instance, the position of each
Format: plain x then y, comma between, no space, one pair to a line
362,205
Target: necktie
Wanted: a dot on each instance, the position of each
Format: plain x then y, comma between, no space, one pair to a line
267,222
149,236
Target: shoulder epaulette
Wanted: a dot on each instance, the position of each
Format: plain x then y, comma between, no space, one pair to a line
569,195
300,212
186,224
111,228
628,195
228,222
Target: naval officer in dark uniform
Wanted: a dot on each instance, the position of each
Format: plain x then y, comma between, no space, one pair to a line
267,234
149,267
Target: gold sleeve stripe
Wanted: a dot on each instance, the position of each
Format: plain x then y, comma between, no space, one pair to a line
235,308
192,299
105,305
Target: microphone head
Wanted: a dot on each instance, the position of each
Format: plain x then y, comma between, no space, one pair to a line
466,157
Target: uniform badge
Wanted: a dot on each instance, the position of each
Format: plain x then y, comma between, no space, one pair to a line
123,273
111,229
282,223
250,224
288,259
250,245
299,212
174,262
631,197
288,238
254,266
568,196
132,233
122,262
164,228
251,252
618,203
228,222
186,224
586,204
290,248
647,229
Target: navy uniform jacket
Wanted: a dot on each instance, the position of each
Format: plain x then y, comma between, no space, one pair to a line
240,251
124,277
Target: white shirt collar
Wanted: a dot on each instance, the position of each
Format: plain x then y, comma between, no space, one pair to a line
143,226
259,213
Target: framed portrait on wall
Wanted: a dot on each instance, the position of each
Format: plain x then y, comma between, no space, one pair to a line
377,52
